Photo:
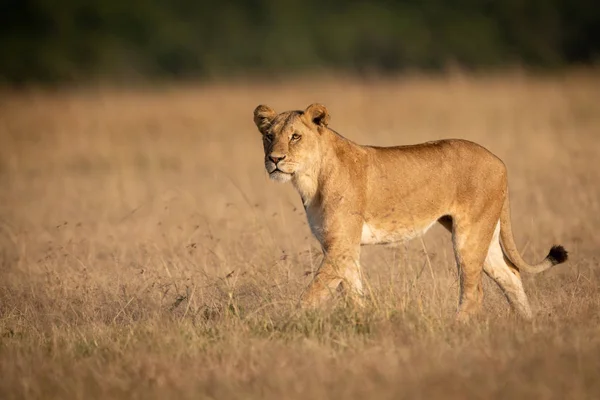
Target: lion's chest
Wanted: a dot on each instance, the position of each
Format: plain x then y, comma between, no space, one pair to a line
315,221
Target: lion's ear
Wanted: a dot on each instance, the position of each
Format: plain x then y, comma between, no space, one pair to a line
263,117
318,114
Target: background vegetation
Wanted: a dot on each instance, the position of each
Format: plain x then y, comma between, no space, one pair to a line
73,40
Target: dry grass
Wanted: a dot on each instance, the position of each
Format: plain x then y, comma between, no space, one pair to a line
144,253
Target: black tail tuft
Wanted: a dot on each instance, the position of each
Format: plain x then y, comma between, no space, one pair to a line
558,255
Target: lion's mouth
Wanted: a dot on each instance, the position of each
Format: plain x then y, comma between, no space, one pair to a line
275,169
279,175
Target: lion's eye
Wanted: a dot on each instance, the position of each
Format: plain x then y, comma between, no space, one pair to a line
269,138
295,137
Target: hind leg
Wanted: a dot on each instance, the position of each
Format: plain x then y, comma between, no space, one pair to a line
501,270
471,242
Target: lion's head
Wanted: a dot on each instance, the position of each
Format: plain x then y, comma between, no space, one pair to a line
291,139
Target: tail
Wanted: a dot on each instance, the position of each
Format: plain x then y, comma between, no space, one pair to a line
557,254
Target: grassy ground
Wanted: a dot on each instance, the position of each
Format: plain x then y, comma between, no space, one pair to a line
144,253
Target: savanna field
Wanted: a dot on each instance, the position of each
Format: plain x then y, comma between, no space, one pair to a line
145,254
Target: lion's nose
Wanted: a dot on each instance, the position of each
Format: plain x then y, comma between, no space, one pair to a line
276,159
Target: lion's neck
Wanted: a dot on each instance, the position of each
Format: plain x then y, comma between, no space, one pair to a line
307,185
310,182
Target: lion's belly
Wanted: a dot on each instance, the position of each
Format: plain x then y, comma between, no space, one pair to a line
374,231
372,234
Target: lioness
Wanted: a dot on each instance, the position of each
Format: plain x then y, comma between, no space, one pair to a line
355,195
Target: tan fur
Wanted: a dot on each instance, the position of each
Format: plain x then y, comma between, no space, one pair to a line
356,194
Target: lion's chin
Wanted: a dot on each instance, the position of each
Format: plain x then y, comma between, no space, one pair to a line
279,176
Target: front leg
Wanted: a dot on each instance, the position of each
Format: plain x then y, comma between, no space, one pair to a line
337,221
335,270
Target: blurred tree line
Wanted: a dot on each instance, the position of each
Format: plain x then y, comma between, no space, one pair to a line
71,40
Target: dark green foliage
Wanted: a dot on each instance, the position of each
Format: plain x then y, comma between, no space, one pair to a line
73,40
